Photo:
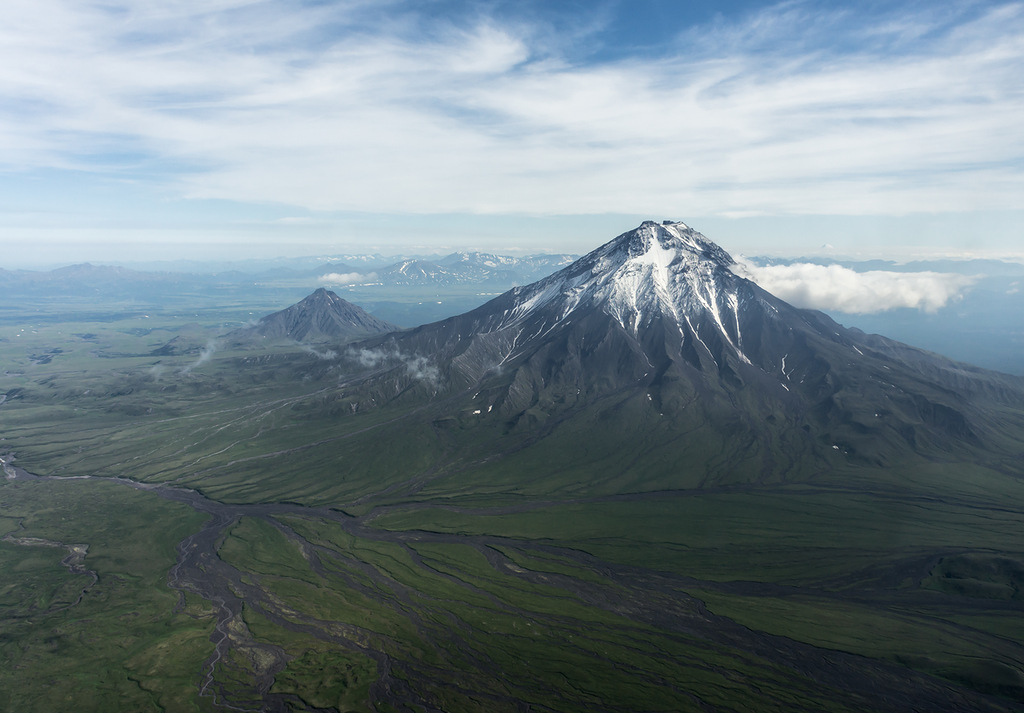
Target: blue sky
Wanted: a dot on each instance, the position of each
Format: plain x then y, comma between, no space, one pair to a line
206,128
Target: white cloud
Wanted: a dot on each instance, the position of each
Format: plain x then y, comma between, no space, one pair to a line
347,278
257,102
838,288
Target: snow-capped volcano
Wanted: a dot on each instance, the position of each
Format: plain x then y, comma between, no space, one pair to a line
657,319
654,272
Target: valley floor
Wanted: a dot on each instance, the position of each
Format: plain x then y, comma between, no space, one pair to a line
229,567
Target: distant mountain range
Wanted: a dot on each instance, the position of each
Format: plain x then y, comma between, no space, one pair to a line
461,268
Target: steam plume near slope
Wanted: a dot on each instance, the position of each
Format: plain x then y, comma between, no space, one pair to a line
417,367
325,355
369,357
204,356
838,288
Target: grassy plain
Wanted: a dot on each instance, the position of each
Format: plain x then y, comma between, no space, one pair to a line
410,559
116,644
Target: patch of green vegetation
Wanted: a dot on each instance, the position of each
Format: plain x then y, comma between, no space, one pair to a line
334,678
263,549
322,675
36,581
546,562
980,575
499,631
300,589
123,646
782,535
918,637
842,556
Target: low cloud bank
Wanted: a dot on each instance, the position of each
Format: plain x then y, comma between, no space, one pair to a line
838,288
347,278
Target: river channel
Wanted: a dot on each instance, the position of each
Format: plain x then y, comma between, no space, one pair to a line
648,597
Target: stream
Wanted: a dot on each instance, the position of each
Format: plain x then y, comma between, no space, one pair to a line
199,570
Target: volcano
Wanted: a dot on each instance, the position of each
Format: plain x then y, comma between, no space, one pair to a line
654,344
320,317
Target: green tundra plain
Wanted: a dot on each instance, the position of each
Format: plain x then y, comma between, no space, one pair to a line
212,528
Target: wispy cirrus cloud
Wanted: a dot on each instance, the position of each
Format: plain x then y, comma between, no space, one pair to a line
797,108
